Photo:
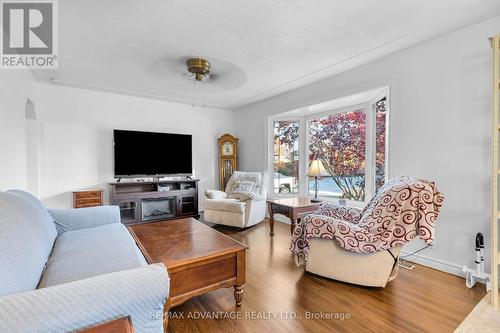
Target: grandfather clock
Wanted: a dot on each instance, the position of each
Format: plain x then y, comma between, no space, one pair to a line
228,152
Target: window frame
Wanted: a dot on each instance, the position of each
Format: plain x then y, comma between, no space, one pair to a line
370,173
384,94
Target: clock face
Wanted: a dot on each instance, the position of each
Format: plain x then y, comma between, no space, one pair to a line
227,148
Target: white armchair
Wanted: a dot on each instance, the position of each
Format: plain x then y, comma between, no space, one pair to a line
243,204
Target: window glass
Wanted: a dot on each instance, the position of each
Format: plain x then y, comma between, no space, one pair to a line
286,157
380,143
339,141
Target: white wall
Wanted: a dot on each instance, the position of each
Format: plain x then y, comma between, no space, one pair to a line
15,88
439,128
76,136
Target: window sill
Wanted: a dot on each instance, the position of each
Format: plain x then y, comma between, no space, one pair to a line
337,201
342,202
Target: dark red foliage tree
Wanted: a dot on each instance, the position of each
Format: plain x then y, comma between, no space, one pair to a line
339,141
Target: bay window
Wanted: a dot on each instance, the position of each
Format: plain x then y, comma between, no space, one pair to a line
351,143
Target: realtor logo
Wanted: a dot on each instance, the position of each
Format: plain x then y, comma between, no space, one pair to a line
29,34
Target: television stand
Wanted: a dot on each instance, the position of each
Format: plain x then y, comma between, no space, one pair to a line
157,200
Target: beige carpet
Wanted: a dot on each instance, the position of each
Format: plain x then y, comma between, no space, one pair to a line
482,319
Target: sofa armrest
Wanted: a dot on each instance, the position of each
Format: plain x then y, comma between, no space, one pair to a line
82,218
215,194
139,293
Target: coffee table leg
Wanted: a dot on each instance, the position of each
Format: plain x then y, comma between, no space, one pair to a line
166,310
271,219
238,295
240,276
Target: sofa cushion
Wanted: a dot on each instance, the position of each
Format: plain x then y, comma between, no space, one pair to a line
227,205
25,244
245,187
244,182
85,253
47,221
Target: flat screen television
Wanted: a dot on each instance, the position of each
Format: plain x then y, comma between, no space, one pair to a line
152,154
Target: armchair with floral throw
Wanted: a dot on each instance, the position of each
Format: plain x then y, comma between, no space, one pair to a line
243,204
362,246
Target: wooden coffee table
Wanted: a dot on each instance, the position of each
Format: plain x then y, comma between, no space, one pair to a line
121,325
198,258
293,208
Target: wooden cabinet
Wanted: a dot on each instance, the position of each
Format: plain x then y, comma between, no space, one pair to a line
187,204
88,198
142,202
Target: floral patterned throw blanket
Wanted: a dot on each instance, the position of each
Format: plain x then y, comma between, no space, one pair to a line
403,208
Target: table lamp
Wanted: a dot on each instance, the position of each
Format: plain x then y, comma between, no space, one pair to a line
316,169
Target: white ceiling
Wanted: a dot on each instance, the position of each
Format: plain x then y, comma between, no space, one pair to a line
257,48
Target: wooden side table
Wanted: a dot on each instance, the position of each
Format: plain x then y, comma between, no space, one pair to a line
88,198
122,325
293,208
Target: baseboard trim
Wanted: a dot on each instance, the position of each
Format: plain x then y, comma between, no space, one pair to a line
440,265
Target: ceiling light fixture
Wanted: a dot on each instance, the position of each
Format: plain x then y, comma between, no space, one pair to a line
199,70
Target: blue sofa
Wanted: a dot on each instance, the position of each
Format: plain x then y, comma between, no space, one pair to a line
63,270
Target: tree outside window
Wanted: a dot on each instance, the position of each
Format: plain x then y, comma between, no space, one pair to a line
339,141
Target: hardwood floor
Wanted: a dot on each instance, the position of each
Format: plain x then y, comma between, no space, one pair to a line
421,300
